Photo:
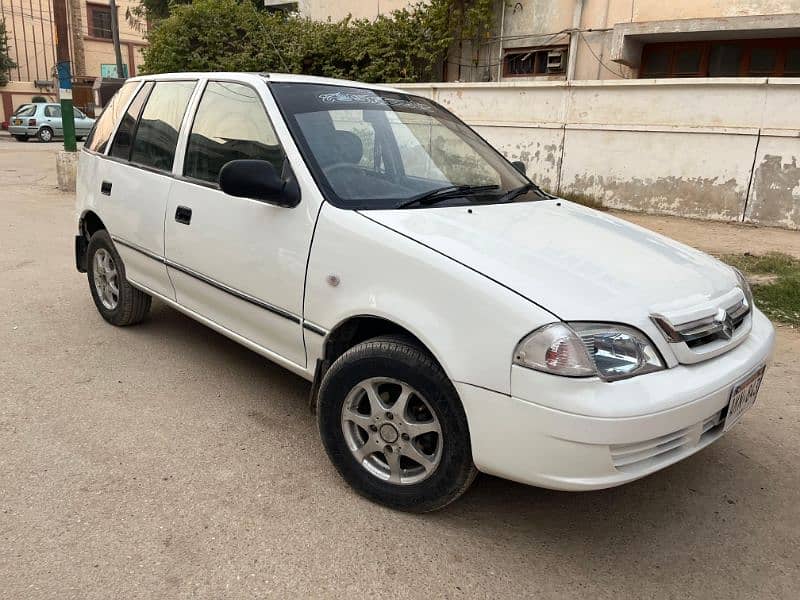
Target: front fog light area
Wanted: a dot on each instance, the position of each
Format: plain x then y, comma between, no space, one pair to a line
606,350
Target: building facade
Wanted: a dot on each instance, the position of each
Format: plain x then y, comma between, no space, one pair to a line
31,31
611,39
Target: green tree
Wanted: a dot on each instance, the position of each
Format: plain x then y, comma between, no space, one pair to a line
405,46
6,64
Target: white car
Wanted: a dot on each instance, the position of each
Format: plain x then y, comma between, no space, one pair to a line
452,316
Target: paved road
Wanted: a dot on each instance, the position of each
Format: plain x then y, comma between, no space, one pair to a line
164,461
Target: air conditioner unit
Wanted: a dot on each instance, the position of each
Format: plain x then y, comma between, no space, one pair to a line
555,61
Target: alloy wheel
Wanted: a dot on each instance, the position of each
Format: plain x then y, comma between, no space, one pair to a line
392,431
106,278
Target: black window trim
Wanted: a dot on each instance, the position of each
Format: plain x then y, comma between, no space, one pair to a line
213,184
105,155
135,127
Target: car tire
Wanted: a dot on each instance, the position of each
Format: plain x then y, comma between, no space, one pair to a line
386,365
45,134
79,138
118,301
21,138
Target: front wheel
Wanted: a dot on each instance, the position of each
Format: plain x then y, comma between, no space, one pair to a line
393,425
118,301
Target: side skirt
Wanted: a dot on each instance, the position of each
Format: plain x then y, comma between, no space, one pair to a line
276,358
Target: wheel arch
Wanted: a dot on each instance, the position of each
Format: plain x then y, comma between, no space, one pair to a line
89,224
353,330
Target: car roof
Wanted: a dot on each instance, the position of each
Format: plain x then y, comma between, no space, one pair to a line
272,77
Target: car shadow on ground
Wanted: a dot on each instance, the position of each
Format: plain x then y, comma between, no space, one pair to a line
695,499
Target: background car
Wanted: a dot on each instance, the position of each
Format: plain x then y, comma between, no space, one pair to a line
43,120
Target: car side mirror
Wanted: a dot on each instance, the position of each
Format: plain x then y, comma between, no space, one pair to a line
519,166
259,180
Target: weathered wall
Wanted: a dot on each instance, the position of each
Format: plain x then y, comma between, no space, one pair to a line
725,149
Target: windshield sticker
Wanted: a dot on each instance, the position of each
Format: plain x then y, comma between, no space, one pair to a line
342,97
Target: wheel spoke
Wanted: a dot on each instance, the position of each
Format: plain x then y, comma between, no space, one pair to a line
363,452
415,429
375,404
363,421
393,460
410,451
399,407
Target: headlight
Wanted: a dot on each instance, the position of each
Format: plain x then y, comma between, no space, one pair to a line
745,287
607,350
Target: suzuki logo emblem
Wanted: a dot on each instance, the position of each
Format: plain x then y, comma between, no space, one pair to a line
723,318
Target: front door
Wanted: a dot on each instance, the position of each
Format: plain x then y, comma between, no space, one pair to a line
238,262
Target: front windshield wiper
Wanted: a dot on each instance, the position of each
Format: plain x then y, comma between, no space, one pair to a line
443,193
509,196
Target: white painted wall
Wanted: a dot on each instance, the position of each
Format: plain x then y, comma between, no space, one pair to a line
725,149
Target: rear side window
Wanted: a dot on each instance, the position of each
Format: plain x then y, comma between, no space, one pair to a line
157,133
230,124
121,146
52,111
104,126
26,110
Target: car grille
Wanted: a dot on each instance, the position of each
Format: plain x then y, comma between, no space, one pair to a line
719,329
659,451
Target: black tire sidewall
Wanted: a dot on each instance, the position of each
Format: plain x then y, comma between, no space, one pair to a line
115,316
376,358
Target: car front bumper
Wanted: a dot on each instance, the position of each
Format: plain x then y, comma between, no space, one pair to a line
523,437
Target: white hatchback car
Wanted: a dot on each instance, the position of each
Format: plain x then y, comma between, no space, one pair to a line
452,316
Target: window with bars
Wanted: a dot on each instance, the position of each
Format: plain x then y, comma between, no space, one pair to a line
530,62
99,18
724,58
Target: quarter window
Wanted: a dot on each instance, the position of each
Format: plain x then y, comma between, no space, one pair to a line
121,147
230,124
157,134
104,126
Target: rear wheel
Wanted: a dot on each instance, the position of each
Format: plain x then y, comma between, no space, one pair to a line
393,426
118,301
45,134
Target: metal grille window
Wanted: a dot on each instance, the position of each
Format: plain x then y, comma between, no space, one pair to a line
728,58
99,20
530,62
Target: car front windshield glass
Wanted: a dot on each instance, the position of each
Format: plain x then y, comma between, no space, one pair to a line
370,149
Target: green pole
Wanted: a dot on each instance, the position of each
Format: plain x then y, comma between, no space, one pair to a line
67,112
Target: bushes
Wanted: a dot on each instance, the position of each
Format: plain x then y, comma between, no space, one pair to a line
225,35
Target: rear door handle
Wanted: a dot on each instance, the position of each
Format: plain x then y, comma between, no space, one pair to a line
183,214
105,188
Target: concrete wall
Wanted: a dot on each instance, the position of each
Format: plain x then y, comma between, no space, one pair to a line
724,149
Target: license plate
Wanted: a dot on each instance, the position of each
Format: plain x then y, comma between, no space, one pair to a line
17,121
743,396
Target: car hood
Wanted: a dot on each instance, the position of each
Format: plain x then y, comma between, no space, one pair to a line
577,263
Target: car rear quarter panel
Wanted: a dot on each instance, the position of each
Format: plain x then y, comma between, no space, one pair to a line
470,323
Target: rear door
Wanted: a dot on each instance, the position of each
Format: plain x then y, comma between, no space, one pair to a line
136,179
236,261
52,118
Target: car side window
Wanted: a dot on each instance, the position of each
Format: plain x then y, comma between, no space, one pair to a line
121,146
52,111
104,125
156,135
230,124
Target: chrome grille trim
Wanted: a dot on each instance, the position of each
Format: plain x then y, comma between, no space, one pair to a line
721,326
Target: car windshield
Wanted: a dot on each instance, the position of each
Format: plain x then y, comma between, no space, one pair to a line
26,110
370,149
